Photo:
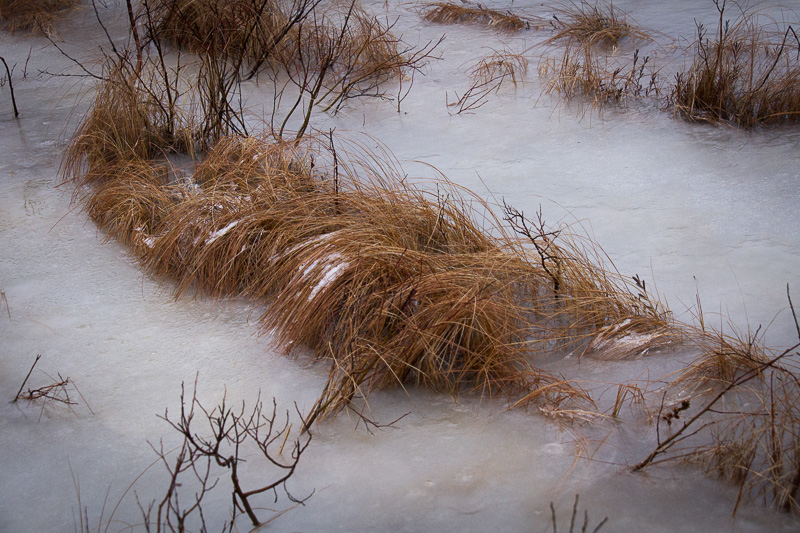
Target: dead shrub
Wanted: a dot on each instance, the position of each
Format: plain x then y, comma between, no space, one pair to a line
741,419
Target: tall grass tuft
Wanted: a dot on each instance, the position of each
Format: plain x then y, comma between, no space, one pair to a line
598,24
129,121
746,74
463,13
585,75
389,283
31,15
488,75
590,69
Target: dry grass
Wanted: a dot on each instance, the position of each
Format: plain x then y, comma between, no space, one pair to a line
590,70
739,415
253,28
598,24
488,75
390,284
32,15
499,66
460,13
745,423
582,74
296,36
747,74
128,121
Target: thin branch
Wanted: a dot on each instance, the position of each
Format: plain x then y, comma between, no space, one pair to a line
11,86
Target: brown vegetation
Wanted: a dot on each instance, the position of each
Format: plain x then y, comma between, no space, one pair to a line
31,15
747,74
461,13
488,75
587,70
735,412
389,284
594,25
582,74
331,53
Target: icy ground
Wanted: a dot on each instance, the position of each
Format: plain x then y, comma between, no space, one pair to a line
688,207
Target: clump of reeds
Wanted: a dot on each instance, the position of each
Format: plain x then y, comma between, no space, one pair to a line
461,13
595,24
31,15
255,29
586,70
739,415
597,79
499,66
128,121
488,75
748,73
386,282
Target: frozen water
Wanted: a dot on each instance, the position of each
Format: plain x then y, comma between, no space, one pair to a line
688,207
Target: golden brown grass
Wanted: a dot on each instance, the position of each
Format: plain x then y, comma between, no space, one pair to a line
488,75
499,66
265,33
127,121
31,15
390,284
747,73
230,28
739,413
583,74
130,202
594,25
460,13
590,70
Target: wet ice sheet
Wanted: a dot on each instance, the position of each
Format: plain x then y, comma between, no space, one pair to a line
686,201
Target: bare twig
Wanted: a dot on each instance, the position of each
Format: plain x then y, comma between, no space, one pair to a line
39,356
11,87
5,301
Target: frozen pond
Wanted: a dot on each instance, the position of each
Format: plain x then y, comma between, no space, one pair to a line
689,207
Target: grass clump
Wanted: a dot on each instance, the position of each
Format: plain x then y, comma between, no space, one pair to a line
582,74
31,15
387,283
598,24
256,29
488,75
739,414
747,74
590,69
499,66
461,13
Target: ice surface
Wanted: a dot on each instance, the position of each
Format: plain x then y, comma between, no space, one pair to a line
688,207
